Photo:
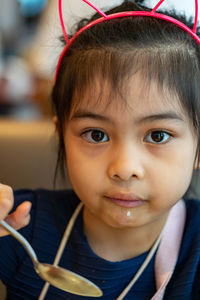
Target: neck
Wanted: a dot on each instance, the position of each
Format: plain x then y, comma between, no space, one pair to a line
117,244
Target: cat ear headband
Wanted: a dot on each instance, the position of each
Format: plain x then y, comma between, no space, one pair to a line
105,17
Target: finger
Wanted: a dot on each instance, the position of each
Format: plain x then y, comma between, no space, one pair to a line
6,200
19,218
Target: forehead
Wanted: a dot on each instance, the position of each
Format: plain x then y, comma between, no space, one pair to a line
136,95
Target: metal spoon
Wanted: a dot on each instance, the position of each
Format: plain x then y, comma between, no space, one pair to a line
57,276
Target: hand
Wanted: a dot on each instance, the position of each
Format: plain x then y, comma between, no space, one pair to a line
20,217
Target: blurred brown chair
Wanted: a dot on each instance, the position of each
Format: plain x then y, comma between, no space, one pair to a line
28,157
28,153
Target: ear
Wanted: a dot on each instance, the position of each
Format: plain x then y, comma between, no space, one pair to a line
55,121
197,162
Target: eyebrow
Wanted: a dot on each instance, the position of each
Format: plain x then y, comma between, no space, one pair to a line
87,114
162,116
155,117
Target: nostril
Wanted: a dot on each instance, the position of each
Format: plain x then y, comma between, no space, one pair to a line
126,166
124,177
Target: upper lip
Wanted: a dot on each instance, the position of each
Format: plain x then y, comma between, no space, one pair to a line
125,197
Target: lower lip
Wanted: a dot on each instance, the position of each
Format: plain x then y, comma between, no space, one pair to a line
126,203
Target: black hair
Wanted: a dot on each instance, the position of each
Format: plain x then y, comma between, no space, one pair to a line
115,48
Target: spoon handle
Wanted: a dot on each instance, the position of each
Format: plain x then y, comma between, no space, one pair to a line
22,240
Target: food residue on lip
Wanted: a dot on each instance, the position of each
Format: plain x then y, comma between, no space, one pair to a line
128,213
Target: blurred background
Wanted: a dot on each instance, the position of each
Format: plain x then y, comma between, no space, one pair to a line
29,50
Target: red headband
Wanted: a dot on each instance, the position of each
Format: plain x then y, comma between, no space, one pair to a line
120,15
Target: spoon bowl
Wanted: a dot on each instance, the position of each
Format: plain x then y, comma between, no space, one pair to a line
67,280
57,276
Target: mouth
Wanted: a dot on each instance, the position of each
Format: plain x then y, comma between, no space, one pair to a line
126,200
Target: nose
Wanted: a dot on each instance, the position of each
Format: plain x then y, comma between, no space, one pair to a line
126,163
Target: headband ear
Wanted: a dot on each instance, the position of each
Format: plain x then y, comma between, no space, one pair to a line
152,13
106,17
157,6
196,17
62,21
97,9
196,13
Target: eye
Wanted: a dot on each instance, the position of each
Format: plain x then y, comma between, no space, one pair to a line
158,137
95,136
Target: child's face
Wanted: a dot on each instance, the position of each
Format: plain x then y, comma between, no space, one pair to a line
130,163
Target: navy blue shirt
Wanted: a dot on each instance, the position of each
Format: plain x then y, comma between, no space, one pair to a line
51,211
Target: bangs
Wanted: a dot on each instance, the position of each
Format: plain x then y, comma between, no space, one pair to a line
175,70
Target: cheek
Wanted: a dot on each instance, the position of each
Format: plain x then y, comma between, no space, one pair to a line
184,167
170,175
173,181
84,173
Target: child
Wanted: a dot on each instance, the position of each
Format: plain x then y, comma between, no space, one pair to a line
127,100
